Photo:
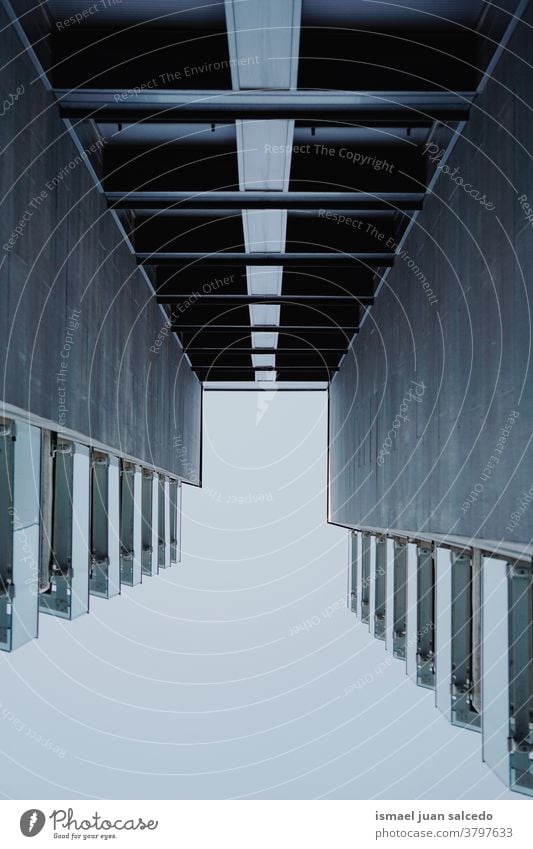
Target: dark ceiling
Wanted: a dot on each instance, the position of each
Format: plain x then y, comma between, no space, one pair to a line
265,159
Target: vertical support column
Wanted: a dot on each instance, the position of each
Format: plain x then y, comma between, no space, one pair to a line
426,617
399,624
464,713
105,525
380,586
366,540
372,584
389,596
160,522
476,634
507,670
443,630
353,548
521,675
412,613
113,525
80,531
7,512
20,467
167,523
47,505
495,666
147,524
130,567
68,594
155,524
175,521
98,584
359,566
138,521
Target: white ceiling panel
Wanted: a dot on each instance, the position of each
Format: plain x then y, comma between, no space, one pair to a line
264,280
264,154
265,37
264,230
264,340
267,314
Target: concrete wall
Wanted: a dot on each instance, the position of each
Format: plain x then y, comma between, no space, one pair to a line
450,468
73,305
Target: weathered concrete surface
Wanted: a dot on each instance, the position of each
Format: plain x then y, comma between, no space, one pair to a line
69,256
447,470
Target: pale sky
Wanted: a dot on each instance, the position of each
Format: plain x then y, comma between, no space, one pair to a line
237,673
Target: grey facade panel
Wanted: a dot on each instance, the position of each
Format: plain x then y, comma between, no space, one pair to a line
68,256
460,460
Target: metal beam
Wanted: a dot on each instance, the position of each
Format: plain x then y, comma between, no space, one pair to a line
247,385
425,618
246,374
369,108
354,202
229,350
200,300
520,663
400,599
463,602
276,367
221,360
365,578
226,258
265,328
241,332
380,598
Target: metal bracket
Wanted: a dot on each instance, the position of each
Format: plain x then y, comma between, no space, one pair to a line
522,746
8,591
63,448
7,428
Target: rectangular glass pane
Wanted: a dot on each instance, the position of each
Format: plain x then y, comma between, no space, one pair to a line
26,534
425,657
412,616
464,713
353,571
443,630
380,586
389,591
495,663
400,599
365,578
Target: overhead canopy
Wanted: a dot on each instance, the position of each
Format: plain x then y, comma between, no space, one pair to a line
265,160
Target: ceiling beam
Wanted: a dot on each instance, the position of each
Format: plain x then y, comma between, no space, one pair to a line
248,385
367,108
280,362
225,258
198,300
320,367
354,202
230,350
247,374
265,328
305,281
